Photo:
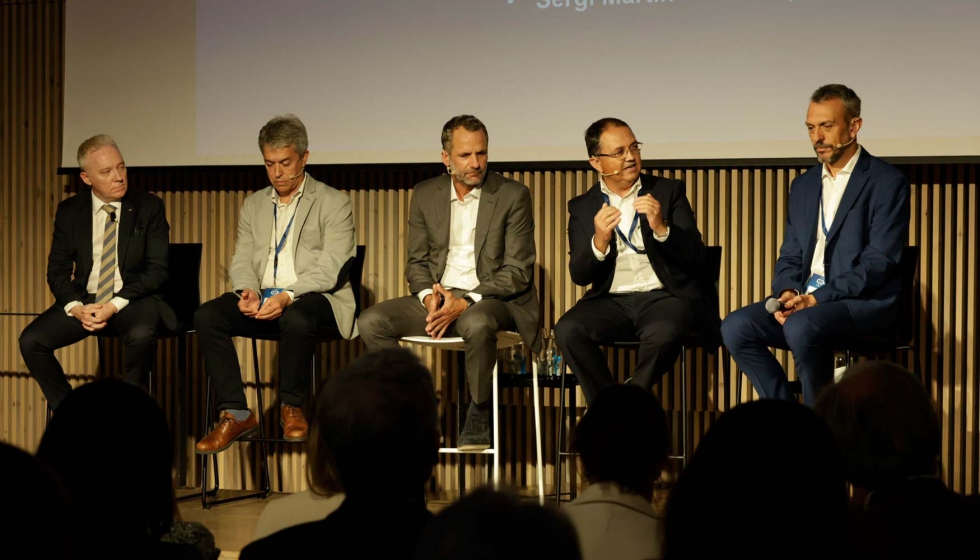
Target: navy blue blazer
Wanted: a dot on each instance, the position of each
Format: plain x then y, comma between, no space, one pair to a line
864,243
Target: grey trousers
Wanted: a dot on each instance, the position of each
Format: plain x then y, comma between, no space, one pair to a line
381,325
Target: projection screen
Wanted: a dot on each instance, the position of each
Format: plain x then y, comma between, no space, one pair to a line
183,83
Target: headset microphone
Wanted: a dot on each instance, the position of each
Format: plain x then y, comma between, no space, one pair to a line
617,172
301,171
846,144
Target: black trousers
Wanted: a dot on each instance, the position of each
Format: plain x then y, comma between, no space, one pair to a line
298,328
136,325
383,324
655,319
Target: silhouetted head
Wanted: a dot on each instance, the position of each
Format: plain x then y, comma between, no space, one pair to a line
764,477
492,525
885,424
35,507
623,439
110,445
377,425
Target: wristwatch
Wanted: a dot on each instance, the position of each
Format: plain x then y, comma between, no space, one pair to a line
469,300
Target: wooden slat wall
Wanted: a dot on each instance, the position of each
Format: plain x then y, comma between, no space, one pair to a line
741,209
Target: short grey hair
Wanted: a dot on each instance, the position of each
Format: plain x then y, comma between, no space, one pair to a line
282,131
94,143
852,103
469,122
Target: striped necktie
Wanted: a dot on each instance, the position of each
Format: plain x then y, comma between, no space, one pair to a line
107,269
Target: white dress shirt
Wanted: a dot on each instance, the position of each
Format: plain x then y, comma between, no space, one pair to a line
286,274
634,273
99,218
833,191
460,270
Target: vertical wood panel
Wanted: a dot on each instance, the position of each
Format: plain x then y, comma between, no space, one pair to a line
741,208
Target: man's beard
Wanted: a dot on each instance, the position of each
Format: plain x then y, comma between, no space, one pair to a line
461,177
835,154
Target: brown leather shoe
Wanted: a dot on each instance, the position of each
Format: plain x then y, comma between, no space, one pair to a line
294,426
226,433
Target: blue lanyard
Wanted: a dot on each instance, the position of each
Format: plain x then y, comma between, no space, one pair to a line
626,240
823,221
282,242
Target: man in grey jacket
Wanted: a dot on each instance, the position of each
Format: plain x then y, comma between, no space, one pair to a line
289,279
470,268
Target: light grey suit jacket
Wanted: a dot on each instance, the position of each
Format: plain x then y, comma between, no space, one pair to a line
322,244
504,246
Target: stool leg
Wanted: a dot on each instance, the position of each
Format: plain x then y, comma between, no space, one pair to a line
266,484
495,410
683,406
561,429
572,464
461,413
537,431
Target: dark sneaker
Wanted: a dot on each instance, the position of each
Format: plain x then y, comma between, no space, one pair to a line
475,436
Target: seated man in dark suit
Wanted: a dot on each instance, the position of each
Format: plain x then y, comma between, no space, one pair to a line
891,440
633,237
470,268
288,276
107,263
837,274
377,421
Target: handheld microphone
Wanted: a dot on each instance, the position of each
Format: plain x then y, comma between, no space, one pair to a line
617,172
846,144
773,305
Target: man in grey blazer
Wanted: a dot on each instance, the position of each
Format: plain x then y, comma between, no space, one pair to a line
470,268
290,278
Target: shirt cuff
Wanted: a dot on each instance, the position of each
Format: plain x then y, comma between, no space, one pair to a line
659,238
71,306
422,295
598,255
291,295
475,297
119,302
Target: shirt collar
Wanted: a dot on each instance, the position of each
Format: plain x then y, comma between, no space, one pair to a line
848,169
473,194
98,204
633,190
299,192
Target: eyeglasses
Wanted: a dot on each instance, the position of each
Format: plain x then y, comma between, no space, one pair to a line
621,154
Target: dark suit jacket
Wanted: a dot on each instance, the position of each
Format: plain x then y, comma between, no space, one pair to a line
386,527
678,261
143,245
504,246
864,243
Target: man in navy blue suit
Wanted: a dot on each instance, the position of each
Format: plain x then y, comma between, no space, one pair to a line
837,274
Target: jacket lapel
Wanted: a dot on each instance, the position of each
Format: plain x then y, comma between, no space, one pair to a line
484,212
85,238
263,228
811,215
855,185
303,207
127,220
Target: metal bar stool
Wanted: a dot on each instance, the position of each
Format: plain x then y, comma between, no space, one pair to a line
505,339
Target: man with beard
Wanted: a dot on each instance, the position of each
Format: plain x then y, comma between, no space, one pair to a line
470,268
837,274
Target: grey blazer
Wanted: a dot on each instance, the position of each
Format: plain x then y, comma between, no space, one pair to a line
504,246
322,244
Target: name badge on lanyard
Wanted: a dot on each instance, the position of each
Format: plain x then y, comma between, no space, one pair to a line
269,292
626,240
817,281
